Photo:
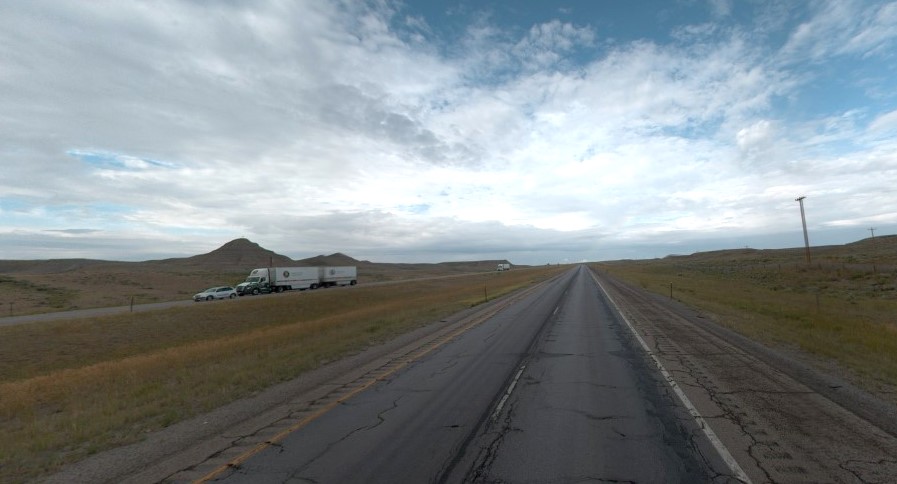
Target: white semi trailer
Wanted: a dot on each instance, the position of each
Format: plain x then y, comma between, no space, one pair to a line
279,279
503,267
338,276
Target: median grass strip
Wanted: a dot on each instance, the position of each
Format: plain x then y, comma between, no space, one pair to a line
836,312
70,389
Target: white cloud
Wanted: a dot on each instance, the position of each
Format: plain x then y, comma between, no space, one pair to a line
547,45
721,8
314,127
758,135
884,125
845,27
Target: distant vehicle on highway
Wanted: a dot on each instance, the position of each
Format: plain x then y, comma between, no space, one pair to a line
220,292
279,279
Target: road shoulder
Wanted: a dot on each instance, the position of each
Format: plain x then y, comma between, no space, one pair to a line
783,420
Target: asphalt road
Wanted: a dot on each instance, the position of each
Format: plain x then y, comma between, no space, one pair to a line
580,379
554,388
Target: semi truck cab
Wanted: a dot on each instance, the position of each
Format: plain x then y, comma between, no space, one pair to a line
254,285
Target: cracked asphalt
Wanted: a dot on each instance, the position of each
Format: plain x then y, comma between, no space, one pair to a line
549,385
781,419
552,389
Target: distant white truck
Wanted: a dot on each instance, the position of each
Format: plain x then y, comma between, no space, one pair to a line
279,279
338,276
503,267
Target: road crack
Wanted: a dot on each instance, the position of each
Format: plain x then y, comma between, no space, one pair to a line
381,418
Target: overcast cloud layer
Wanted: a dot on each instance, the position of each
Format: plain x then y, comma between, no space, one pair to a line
404,132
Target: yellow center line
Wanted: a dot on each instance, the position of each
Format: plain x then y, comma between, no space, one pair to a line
404,361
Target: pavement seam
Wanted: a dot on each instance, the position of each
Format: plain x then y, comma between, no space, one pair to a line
715,441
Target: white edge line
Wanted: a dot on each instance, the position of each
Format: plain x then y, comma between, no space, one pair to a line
513,384
507,394
721,449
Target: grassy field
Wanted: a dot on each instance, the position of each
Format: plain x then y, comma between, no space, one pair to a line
73,388
104,286
841,308
55,288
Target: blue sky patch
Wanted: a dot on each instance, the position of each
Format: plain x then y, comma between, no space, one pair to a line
107,160
418,208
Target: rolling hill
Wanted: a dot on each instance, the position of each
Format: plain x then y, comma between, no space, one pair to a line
37,286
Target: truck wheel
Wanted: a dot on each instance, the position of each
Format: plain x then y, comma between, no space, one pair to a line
313,286
353,283
255,292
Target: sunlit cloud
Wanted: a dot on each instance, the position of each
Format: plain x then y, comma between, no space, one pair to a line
408,131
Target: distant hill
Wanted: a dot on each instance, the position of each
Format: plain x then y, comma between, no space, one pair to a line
36,286
238,254
243,254
51,266
337,259
882,249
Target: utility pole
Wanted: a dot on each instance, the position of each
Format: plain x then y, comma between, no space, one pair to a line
872,229
803,220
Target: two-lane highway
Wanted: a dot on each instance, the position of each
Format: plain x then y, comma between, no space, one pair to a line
553,389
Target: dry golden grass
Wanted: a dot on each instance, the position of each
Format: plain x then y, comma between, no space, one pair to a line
70,389
838,311
31,287
105,285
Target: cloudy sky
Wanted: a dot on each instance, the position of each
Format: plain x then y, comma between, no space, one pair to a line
421,130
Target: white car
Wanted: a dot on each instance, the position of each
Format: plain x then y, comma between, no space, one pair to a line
220,292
